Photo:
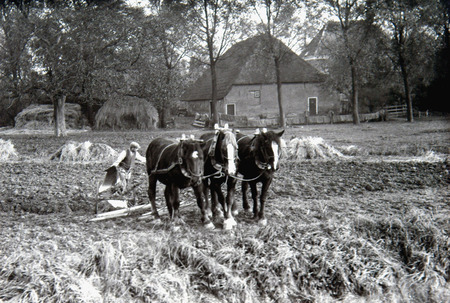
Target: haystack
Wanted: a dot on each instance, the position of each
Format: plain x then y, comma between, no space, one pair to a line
126,112
82,152
311,148
7,151
40,116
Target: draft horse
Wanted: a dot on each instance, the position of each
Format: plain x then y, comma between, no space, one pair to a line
220,153
258,160
176,164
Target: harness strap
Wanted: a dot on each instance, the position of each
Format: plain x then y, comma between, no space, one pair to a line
164,170
247,180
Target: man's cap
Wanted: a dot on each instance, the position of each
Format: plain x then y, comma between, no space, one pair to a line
135,144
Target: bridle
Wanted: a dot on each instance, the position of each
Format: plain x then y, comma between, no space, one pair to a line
218,166
261,164
185,171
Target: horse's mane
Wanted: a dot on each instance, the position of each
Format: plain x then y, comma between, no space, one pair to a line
230,138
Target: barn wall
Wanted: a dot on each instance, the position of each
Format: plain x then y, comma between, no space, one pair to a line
197,107
261,100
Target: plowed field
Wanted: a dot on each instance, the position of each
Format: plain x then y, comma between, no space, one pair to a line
373,226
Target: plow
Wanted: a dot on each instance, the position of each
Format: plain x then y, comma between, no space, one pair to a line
122,206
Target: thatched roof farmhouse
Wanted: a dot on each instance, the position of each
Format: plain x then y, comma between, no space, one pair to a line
126,112
247,84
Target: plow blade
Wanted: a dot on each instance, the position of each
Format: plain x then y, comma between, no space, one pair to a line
110,179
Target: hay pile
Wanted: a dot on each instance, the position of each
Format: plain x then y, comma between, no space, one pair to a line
82,152
7,150
311,148
126,112
40,116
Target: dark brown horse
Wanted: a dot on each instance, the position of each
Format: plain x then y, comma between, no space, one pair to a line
220,153
258,160
177,164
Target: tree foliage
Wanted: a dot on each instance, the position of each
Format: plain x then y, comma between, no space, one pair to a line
87,51
218,26
410,25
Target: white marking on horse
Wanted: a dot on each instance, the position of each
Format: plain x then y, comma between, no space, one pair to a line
230,156
275,154
195,154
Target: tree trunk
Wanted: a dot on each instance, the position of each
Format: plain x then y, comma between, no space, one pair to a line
162,116
355,101
59,115
214,112
280,96
408,98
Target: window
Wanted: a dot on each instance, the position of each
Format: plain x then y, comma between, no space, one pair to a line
313,106
255,93
231,109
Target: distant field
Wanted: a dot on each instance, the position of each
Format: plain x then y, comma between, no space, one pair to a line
373,227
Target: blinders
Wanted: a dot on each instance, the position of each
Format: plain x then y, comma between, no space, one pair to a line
267,149
190,159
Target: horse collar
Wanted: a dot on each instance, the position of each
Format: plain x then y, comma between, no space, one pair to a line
212,152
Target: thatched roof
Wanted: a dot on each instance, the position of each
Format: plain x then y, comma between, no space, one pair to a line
126,112
248,62
327,38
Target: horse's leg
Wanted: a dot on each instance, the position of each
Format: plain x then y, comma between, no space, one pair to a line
208,206
254,191
229,220
220,197
198,191
215,197
176,200
169,200
264,189
152,194
244,196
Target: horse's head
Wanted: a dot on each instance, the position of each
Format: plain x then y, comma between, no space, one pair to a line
226,150
191,159
267,146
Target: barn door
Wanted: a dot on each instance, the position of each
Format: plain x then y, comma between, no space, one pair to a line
312,106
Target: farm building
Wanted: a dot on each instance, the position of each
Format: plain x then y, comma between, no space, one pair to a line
246,83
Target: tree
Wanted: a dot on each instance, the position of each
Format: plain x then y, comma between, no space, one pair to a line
433,97
410,25
56,54
168,34
354,18
278,22
84,51
218,25
16,31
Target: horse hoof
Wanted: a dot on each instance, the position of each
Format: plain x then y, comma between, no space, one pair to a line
218,214
157,221
229,223
209,213
262,222
209,226
235,213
